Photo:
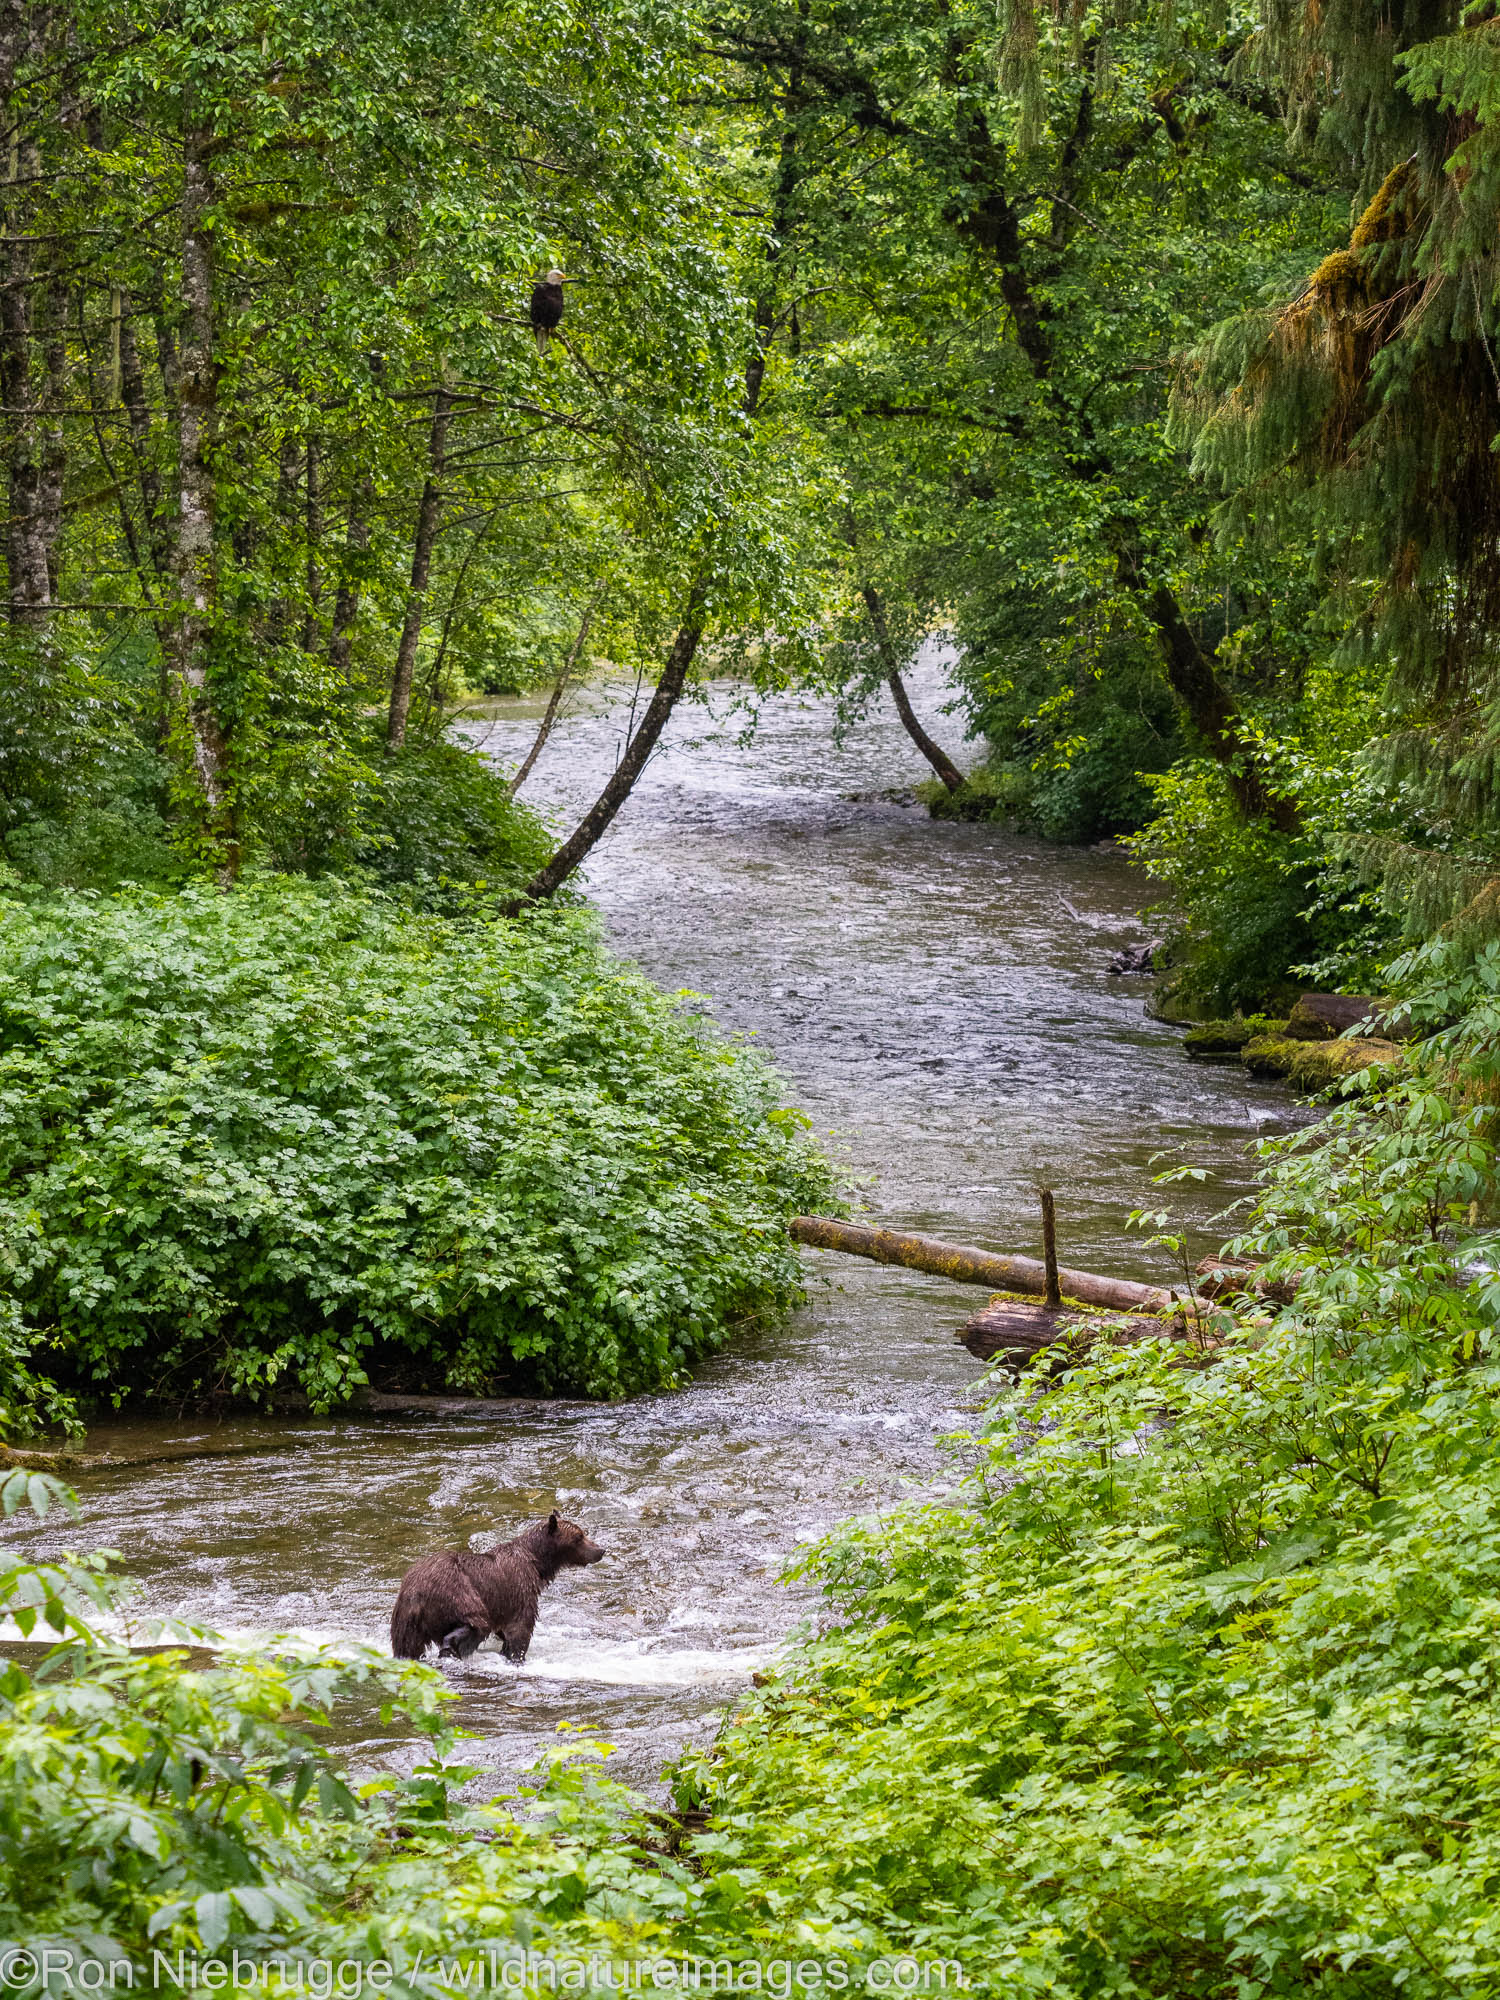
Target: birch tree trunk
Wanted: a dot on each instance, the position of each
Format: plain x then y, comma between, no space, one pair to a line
523,771
548,880
429,513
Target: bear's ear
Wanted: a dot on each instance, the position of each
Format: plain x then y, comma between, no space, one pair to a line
552,1522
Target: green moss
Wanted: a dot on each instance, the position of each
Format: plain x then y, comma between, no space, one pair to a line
1314,1066
1229,1037
983,795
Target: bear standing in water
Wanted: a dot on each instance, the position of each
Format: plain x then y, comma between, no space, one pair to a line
456,1599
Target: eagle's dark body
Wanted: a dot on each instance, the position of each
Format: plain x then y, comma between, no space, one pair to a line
546,308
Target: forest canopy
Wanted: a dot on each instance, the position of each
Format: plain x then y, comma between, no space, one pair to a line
1146,349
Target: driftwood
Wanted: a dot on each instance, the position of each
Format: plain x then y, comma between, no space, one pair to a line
1019,1331
975,1267
1222,1277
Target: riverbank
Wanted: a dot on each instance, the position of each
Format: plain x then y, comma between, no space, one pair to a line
1143,1704
953,1031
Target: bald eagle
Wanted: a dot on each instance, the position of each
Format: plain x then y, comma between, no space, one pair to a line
546,308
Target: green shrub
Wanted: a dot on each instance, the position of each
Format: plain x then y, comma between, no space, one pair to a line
431,823
1194,1691
1258,913
289,1133
1074,723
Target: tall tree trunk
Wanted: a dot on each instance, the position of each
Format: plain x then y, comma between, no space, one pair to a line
288,526
1211,711
190,629
143,443
429,512
30,585
523,772
992,224
52,440
346,602
936,756
590,829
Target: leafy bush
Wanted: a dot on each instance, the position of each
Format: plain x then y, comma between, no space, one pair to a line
82,796
1195,1692
1258,913
85,800
432,823
288,1133
29,1402
1075,719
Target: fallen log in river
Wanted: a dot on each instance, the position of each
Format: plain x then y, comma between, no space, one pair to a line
976,1267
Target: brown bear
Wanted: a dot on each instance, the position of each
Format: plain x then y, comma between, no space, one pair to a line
455,1599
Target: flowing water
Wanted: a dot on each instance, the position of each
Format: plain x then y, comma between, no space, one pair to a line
937,997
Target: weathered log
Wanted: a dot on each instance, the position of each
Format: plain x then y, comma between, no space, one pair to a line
1014,1329
1225,1277
974,1267
1019,1331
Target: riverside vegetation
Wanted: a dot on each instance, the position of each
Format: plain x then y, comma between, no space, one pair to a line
1151,347
1191,1688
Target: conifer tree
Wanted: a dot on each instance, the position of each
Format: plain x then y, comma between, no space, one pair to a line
1362,412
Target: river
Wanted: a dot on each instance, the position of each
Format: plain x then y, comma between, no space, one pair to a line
937,997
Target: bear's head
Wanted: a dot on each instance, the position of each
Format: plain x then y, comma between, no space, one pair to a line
570,1545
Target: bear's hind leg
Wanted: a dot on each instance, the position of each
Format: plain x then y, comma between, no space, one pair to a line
459,1643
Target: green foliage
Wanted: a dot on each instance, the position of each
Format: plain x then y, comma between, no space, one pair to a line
30,1402
434,824
380,187
82,795
1194,1691
1242,897
1352,412
1258,913
1072,750
994,234
288,1134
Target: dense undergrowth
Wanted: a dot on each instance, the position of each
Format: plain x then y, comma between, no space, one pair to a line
1198,1690
1192,1689
295,1135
